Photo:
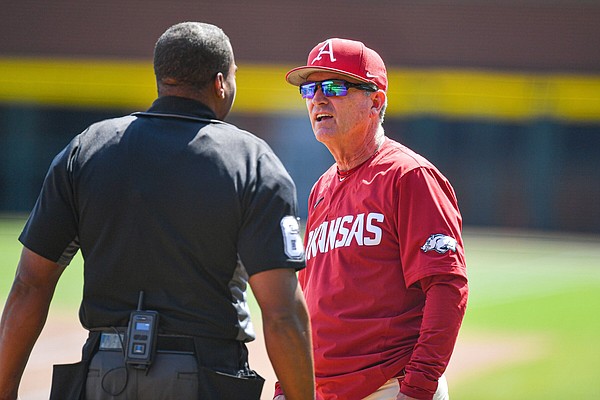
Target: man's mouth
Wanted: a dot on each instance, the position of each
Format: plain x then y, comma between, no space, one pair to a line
321,117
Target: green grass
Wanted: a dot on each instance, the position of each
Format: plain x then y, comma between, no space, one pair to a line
9,252
68,291
548,288
544,288
567,326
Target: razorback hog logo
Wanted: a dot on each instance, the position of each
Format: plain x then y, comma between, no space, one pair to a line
440,243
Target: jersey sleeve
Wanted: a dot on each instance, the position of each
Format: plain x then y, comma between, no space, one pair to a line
442,317
429,226
51,229
270,236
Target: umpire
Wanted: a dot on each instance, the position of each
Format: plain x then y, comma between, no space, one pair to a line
174,212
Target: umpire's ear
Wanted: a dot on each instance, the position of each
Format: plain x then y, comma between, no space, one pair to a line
219,85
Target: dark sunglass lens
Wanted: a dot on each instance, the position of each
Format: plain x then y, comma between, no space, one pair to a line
307,90
334,88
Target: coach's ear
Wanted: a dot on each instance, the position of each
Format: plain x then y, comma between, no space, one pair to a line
378,99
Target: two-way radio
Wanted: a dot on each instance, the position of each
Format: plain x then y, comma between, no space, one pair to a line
141,336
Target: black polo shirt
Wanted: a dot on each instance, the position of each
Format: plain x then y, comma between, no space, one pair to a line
173,204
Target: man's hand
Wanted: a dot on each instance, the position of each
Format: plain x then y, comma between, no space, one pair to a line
402,396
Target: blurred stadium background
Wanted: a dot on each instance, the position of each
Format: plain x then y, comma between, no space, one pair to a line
503,96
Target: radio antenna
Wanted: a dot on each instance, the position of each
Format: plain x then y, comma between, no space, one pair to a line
140,300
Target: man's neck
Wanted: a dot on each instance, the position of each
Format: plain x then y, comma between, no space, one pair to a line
351,158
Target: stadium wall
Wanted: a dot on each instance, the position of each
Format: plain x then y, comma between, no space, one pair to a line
504,98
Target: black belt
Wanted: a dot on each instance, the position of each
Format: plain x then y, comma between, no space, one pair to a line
110,341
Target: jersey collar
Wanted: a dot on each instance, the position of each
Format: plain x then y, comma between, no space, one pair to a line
181,106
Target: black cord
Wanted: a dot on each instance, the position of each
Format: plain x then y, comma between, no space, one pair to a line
117,368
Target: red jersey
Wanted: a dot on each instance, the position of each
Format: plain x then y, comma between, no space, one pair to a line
371,235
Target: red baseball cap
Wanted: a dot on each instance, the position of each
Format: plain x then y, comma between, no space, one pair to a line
345,57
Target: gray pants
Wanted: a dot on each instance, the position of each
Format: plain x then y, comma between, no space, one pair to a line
171,376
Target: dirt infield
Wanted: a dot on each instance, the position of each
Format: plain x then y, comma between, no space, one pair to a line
62,338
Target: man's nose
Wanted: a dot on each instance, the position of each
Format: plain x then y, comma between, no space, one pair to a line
319,96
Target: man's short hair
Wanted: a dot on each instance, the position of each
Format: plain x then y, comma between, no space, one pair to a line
192,53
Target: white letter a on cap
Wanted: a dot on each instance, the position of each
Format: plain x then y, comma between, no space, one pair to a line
326,49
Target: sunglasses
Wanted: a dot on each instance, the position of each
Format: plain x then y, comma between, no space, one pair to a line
332,88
